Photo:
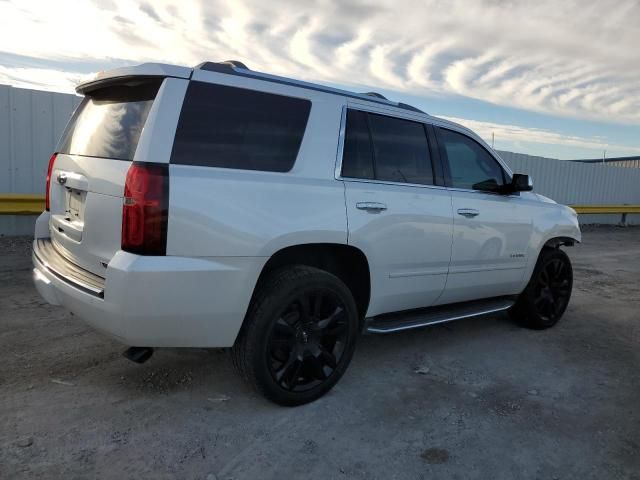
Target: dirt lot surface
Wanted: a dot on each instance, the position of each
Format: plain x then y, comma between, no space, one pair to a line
479,398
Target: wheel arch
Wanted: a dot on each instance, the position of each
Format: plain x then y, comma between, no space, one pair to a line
346,262
551,241
557,242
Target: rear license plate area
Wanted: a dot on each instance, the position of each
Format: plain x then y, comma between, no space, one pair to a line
74,204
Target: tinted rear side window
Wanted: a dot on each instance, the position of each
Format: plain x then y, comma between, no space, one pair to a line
357,161
400,150
230,127
386,148
108,122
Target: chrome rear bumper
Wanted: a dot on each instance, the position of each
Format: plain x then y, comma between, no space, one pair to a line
45,254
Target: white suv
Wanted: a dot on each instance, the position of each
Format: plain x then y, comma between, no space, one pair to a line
217,206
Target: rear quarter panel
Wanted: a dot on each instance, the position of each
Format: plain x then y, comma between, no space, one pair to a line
224,213
220,212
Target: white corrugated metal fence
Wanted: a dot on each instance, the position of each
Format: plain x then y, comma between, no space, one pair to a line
574,183
31,122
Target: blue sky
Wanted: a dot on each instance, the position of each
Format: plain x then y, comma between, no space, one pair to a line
557,79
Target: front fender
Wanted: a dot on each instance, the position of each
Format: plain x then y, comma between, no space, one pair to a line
562,222
553,222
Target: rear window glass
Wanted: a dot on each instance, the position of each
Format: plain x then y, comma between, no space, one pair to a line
109,121
231,127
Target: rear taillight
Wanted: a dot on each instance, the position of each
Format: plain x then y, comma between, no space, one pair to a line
144,211
49,170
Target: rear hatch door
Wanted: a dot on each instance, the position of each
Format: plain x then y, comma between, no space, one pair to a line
88,176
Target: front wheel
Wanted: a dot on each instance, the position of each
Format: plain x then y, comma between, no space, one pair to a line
547,295
299,335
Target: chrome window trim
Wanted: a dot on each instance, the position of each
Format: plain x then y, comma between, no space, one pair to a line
401,184
432,121
420,185
337,173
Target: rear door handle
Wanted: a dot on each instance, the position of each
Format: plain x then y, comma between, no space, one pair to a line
69,179
371,206
468,212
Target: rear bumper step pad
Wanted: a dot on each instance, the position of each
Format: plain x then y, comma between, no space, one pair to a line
46,255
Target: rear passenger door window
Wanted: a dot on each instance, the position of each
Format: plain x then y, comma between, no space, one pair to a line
386,148
470,165
400,150
229,127
357,158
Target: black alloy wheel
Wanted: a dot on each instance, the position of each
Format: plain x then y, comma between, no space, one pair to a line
308,340
547,295
553,289
299,335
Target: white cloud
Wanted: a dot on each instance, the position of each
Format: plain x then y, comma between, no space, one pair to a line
40,78
570,58
514,134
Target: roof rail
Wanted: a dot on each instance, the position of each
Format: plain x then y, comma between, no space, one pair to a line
222,67
376,94
406,106
234,67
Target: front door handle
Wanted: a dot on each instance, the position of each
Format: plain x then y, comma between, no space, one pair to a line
468,212
371,206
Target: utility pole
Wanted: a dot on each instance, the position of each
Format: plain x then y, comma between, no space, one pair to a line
493,139
604,156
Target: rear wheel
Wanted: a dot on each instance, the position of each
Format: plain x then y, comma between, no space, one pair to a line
299,335
547,295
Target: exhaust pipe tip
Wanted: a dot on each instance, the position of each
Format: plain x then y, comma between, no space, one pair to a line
138,354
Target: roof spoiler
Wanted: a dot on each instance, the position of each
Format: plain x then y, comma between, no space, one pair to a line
146,70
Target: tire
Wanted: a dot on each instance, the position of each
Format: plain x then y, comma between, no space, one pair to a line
299,335
545,299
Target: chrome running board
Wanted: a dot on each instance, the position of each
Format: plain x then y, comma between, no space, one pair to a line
396,322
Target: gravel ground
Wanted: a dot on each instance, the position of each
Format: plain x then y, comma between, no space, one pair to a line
477,398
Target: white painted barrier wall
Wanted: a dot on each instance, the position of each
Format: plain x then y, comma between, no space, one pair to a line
31,122
580,183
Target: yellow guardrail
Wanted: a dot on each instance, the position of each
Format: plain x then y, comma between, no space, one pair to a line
606,208
28,204
21,204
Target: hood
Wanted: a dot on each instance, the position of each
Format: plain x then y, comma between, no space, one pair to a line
544,199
